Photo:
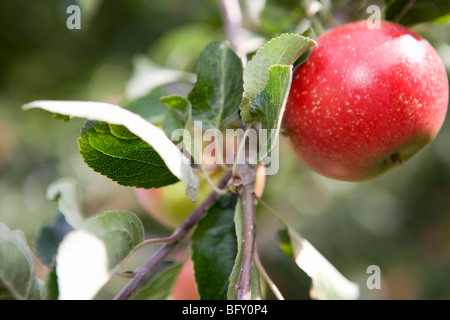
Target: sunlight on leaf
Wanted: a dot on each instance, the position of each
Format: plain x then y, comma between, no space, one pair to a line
81,265
17,270
148,76
88,257
327,282
177,163
65,192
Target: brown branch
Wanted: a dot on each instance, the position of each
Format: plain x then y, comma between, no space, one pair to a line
151,264
245,185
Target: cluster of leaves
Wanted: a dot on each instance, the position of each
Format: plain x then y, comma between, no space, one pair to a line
131,145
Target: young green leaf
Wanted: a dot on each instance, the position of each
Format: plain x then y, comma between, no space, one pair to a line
180,118
214,249
173,121
218,91
88,257
268,106
175,161
282,50
327,282
176,102
17,270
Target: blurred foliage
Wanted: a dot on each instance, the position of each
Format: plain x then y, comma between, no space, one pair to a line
399,221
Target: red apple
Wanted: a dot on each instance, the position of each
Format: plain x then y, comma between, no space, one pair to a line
365,100
185,286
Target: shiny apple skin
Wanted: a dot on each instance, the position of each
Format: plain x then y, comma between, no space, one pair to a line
365,100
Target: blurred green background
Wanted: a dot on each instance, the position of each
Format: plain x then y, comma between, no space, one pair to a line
399,221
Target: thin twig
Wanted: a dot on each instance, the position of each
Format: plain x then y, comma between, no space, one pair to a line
241,149
275,213
151,264
266,277
211,183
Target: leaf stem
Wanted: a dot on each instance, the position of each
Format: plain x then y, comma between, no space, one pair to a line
219,153
266,277
241,149
151,264
210,182
273,211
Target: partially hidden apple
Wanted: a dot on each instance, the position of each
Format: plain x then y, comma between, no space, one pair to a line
185,287
365,100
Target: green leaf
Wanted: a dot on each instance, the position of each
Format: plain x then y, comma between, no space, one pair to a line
327,282
88,257
234,276
285,243
218,91
175,101
121,231
174,120
411,12
160,286
50,236
17,270
179,116
51,285
282,50
443,19
214,248
174,160
129,162
65,191
269,105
